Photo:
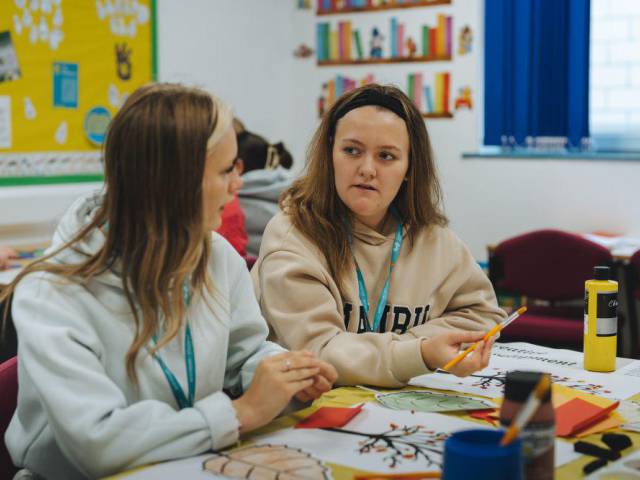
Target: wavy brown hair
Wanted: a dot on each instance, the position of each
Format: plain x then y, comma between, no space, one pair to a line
152,214
312,201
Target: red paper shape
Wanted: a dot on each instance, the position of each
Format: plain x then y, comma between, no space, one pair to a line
488,415
578,414
329,417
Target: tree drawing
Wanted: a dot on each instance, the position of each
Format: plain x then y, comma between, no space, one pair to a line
401,444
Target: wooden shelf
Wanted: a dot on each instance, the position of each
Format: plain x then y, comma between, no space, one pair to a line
391,6
370,61
438,115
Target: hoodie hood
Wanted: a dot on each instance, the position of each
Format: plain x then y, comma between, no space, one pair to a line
77,216
264,184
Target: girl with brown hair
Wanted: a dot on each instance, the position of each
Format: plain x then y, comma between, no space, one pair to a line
140,339
360,267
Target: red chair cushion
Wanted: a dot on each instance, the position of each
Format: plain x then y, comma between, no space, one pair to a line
549,264
545,329
8,402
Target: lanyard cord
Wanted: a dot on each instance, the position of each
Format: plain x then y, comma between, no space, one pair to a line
183,400
362,288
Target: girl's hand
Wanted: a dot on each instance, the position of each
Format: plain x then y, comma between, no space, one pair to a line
321,383
6,254
439,350
277,379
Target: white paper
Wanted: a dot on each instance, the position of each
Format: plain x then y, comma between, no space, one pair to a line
188,468
350,448
5,122
489,382
29,109
61,133
361,449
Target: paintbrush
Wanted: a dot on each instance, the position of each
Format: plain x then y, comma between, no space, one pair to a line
487,336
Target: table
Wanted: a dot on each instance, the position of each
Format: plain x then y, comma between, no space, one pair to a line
348,396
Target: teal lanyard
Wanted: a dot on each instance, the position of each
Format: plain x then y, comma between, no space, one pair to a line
362,288
190,363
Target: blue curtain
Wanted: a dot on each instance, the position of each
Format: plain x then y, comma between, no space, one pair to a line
536,76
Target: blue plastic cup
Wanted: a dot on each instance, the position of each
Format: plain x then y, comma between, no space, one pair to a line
477,455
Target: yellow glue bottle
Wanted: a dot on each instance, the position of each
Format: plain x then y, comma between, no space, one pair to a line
600,321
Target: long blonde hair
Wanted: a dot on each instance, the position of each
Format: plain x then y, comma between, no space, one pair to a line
313,204
152,214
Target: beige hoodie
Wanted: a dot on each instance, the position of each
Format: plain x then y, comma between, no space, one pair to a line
435,286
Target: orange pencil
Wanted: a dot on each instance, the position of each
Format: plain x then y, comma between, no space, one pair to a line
487,336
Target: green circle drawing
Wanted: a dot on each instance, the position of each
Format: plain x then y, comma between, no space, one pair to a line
423,401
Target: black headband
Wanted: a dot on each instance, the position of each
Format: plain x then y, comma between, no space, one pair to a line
368,97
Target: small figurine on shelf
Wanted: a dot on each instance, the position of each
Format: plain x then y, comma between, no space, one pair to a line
303,51
411,47
322,100
464,98
465,40
376,43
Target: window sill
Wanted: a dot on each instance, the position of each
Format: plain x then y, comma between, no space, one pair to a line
497,152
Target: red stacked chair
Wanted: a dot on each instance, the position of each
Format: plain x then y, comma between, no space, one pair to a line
549,267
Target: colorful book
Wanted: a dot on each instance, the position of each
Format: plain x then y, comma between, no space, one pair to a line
448,36
441,48
410,86
341,40
417,90
439,104
394,37
347,41
446,80
331,92
358,44
433,36
428,99
425,41
333,45
320,53
401,46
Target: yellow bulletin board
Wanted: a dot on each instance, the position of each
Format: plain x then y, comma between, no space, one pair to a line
66,66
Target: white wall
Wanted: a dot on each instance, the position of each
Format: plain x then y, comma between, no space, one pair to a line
488,200
242,51
238,50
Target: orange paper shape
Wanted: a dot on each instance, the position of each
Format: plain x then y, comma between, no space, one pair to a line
329,417
608,423
577,415
488,415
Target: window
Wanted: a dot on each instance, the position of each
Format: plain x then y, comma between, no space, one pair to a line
614,105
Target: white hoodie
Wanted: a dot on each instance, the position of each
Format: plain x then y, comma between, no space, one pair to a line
78,414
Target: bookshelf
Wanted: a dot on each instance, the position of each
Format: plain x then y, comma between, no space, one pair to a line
438,115
370,61
389,6
391,39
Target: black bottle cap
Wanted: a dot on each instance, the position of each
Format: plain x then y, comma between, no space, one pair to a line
519,385
601,273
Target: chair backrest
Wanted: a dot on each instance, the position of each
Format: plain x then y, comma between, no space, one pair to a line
547,264
8,402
